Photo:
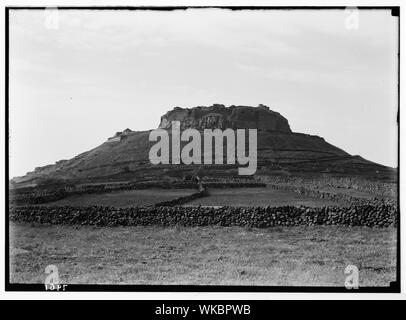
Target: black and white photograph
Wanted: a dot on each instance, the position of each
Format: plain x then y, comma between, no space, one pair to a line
202,149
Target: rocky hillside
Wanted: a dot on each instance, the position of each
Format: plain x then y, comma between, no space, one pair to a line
124,156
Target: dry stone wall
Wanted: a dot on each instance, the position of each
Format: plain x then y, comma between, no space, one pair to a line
258,217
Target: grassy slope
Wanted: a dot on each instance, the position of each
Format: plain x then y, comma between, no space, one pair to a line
202,255
129,158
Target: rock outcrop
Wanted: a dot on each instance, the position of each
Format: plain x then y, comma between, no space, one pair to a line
221,117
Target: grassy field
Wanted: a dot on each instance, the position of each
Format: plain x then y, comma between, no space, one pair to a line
126,198
218,197
291,256
246,197
352,186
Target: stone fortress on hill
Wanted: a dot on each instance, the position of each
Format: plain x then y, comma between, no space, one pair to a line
218,116
234,117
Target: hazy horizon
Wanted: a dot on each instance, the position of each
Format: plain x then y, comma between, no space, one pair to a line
99,72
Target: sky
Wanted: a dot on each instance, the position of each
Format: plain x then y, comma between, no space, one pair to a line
77,77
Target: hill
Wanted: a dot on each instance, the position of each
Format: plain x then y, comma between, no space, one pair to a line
124,156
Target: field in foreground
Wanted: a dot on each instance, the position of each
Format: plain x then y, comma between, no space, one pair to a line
289,256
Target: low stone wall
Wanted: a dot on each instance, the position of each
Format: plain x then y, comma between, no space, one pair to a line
258,217
182,200
351,200
38,197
